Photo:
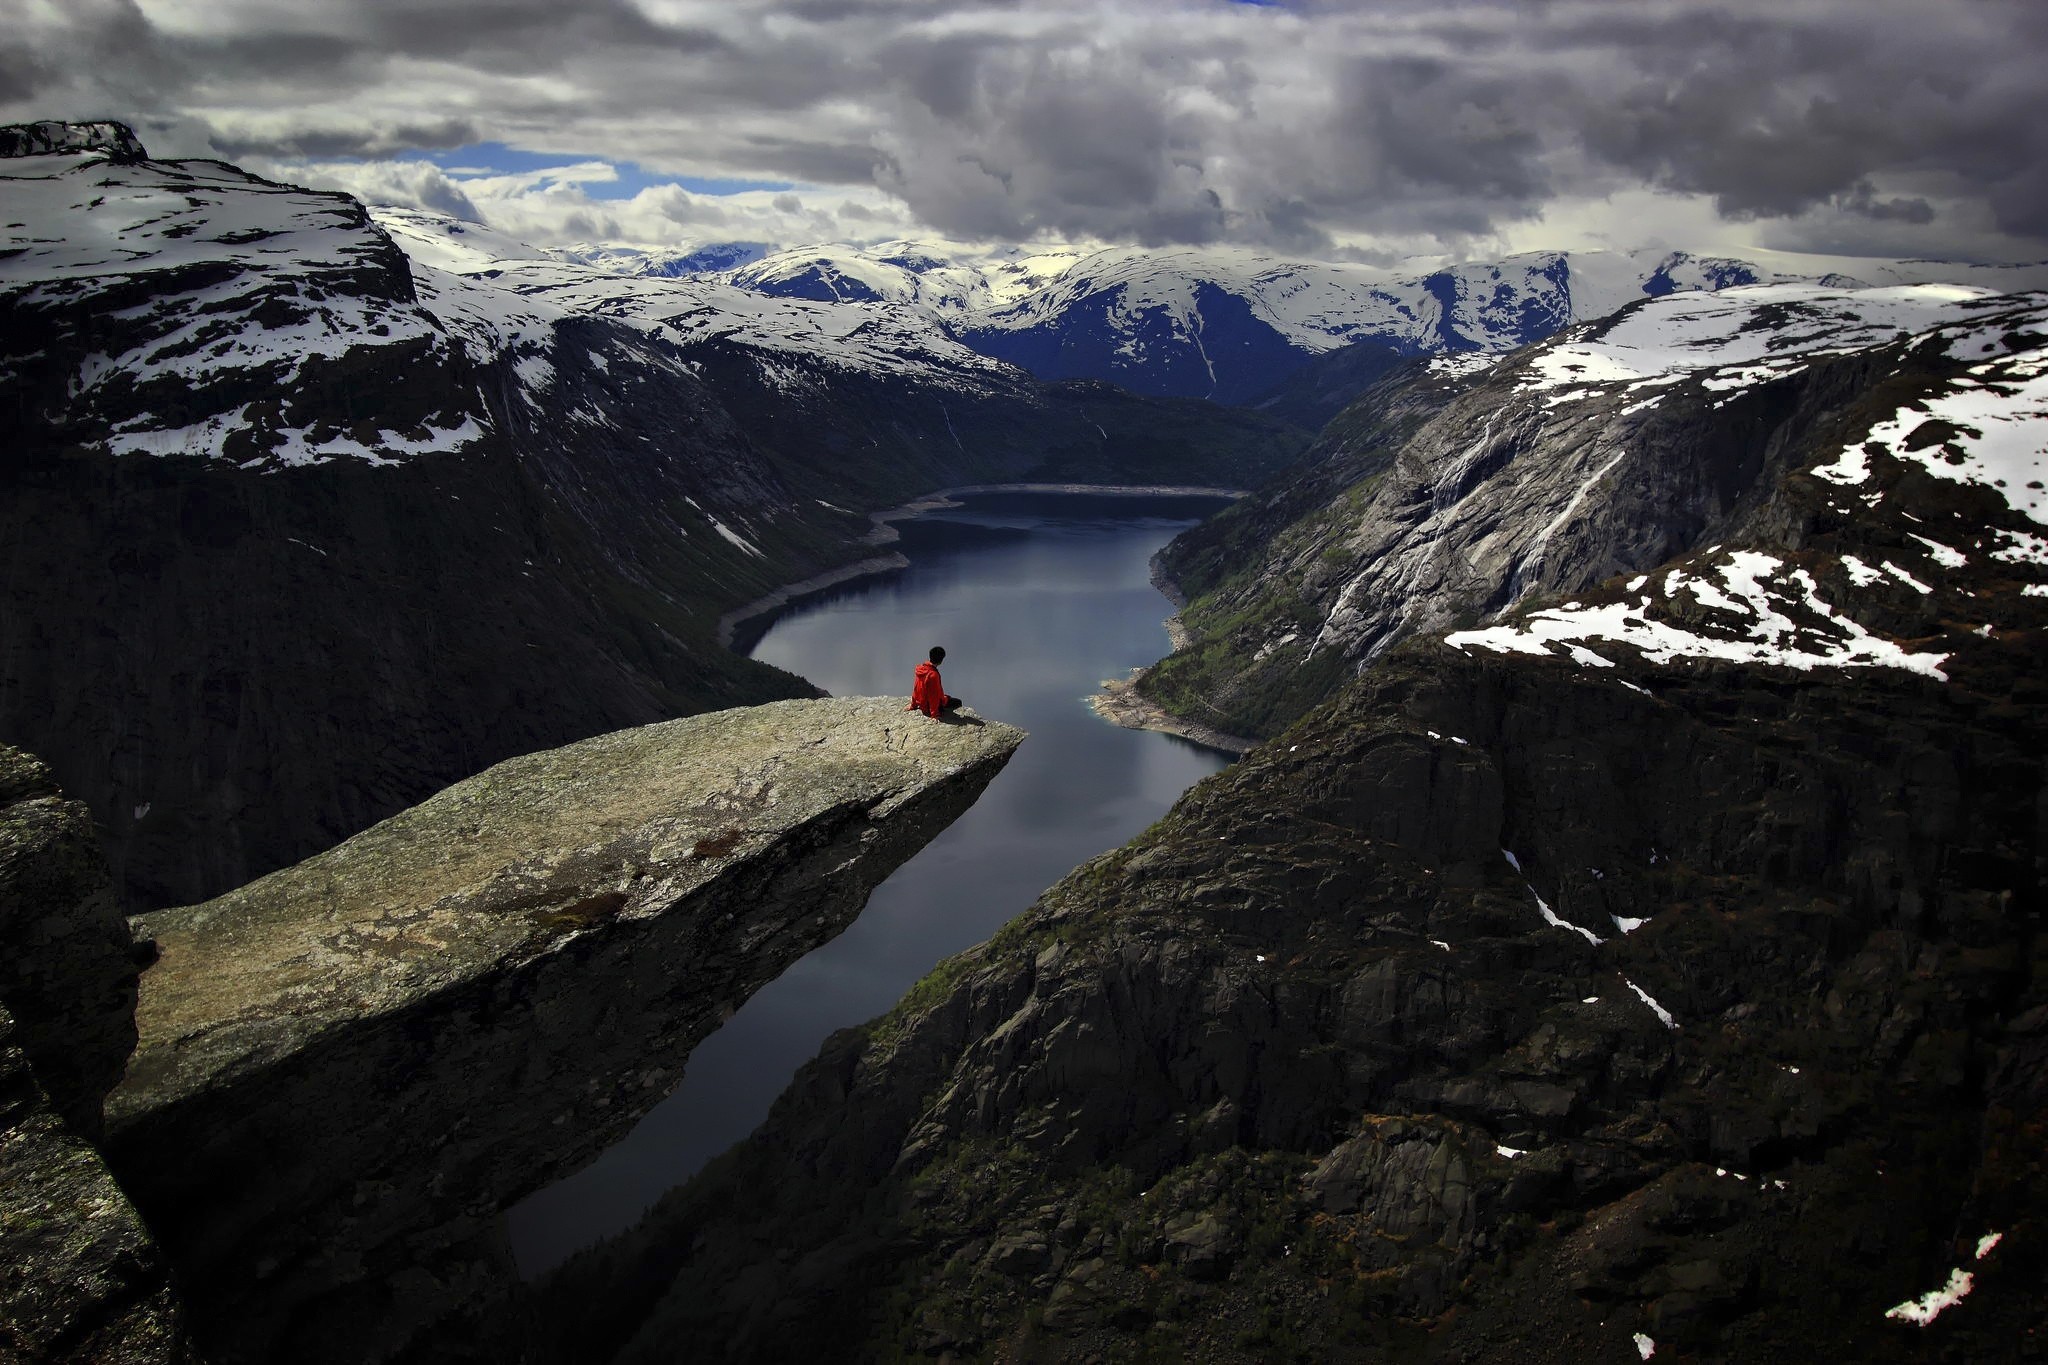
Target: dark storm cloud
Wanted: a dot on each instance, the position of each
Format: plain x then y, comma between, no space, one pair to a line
328,143
1864,203
1141,120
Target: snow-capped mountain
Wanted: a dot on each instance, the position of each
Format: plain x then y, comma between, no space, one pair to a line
955,282
880,335
292,486
1781,475
1235,325
663,262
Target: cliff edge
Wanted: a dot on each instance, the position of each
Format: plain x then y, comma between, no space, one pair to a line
346,1069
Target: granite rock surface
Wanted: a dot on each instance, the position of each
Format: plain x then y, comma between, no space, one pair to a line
349,1067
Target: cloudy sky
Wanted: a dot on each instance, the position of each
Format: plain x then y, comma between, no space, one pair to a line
1313,127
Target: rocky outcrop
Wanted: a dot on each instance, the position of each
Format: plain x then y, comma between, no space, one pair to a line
80,1278
53,137
67,972
347,1068
1314,1068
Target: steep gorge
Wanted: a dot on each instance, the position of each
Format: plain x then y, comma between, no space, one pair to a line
343,1072
1657,967
297,530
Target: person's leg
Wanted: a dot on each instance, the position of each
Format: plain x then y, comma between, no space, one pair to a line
952,703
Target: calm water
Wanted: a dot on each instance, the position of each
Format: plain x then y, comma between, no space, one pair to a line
1037,598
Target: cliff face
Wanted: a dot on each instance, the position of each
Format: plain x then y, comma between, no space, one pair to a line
1459,490
349,1067
296,529
83,1280
68,973
1745,1052
1658,966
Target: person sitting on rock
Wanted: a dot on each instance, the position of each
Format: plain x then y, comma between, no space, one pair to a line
927,693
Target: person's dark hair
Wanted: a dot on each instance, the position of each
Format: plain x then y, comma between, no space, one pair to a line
938,654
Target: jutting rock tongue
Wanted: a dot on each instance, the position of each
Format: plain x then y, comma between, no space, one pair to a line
349,1067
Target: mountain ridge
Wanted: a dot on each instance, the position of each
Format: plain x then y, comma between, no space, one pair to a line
1648,963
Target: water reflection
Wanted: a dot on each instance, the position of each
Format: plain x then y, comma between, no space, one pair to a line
1037,598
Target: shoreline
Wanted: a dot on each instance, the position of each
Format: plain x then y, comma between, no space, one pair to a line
1119,703
729,624
883,532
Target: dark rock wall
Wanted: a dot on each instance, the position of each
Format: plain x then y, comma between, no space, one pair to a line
67,967
873,441
80,1279
1304,1070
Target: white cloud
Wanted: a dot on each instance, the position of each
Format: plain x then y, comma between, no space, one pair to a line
554,208
1318,126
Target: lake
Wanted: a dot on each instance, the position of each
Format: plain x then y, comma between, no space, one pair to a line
1037,597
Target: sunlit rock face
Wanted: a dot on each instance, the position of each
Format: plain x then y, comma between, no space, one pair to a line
348,1067
1788,475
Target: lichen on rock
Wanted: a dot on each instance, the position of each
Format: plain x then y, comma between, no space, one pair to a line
347,1067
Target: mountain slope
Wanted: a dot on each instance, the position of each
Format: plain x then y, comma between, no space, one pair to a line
1653,971
297,529
1241,326
1456,491
867,402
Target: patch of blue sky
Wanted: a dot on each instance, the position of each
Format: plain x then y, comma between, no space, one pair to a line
627,180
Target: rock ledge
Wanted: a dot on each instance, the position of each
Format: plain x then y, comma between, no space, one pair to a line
469,999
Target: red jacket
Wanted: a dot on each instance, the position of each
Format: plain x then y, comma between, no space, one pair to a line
928,694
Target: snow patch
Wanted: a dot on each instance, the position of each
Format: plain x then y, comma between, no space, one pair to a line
1915,584
1754,589
1946,556
1551,917
734,537
1934,1302
1662,1014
